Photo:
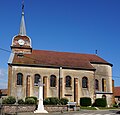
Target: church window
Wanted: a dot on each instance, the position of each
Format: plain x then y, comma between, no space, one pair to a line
37,77
52,81
19,79
103,85
84,82
96,84
68,81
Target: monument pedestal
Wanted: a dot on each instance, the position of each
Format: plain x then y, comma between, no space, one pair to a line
40,111
40,108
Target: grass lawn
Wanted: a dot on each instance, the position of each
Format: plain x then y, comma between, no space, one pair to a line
88,108
107,108
97,108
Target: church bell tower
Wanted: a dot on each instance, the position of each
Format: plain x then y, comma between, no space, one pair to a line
21,43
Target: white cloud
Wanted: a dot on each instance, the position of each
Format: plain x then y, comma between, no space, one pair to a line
3,78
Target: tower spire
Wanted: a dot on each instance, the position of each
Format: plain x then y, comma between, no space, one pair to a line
22,31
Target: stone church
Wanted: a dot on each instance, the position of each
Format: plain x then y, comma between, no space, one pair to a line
64,74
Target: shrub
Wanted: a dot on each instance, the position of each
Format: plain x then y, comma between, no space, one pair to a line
4,101
9,100
63,101
29,101
100,102
54,101
35,98
85,101
51,101
118,104
46,101
21,101
115,105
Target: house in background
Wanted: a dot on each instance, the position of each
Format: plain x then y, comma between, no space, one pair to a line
65,74
3,92
117,94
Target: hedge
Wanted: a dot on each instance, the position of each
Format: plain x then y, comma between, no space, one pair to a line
85,101
63,101
21,101
9,100
100,102
51,101
35,98
29,101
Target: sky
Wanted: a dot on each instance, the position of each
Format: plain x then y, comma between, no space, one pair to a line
80,26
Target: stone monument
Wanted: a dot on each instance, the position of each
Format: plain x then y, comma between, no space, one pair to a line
40,108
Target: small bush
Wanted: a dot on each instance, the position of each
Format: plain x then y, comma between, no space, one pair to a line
51,101
54,101
85,101
4,101
35,98
100,102
115,105
63,101
9,100
29,101
118,104
21,101
46,101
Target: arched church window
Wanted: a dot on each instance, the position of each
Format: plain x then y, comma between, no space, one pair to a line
37,77
19,79
84,82
96,84
52,81
68,81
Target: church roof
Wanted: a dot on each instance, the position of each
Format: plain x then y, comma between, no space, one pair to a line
59,59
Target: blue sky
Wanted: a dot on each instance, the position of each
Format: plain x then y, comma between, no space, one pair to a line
81,26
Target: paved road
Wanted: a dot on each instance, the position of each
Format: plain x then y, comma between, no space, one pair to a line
82,112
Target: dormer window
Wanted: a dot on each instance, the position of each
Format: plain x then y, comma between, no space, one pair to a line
20,55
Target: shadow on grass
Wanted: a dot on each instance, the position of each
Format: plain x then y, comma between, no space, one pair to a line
118,112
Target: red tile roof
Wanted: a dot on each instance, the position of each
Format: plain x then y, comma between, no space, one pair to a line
63,59
116,91
4,91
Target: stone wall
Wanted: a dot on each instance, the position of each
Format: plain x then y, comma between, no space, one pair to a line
31,108
55,108
18,108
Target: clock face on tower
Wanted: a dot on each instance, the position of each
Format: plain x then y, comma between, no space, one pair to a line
21,42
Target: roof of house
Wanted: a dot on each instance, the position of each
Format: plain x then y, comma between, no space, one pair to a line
4,91
59,59
116,91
